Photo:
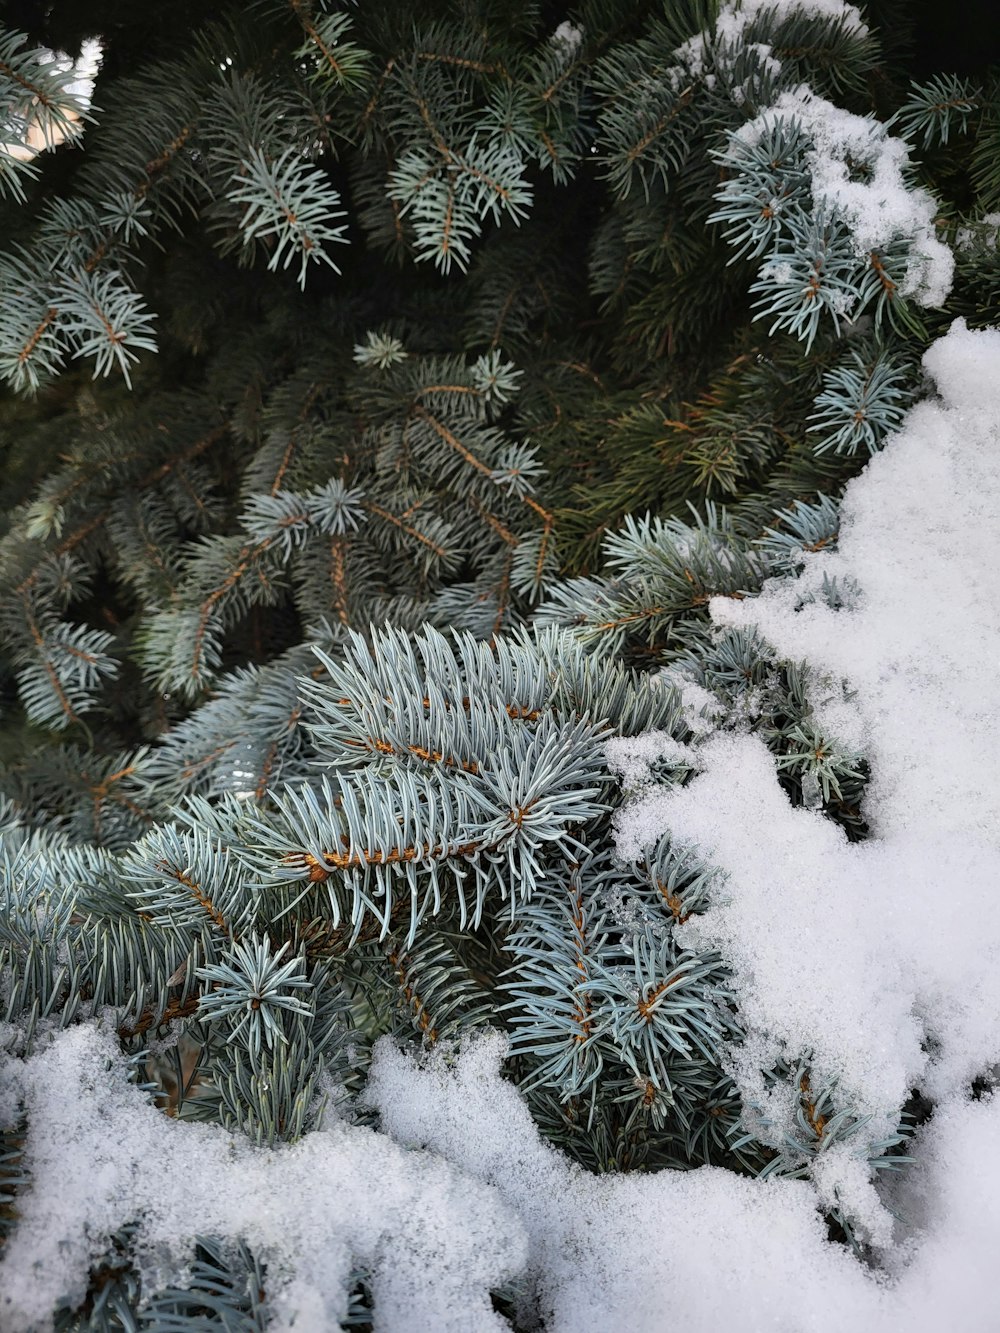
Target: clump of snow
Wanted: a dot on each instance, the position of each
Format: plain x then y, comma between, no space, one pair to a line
699,707
776,270
568,36
706,1249
633,758
460,1194
880,208
85,69
100,1156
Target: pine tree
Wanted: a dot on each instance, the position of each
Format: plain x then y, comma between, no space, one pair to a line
389,392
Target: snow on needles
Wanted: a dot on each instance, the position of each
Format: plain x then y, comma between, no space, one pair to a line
707,1249
735,17
882,958
460,1194
857,172
101,1156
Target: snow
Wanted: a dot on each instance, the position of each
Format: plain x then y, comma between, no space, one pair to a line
460,1194
735,17
743,15
568,36
101,1156
878,210
698,705
882,958
632,758
705,1249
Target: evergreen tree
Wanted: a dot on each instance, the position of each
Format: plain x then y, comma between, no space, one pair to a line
389,392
